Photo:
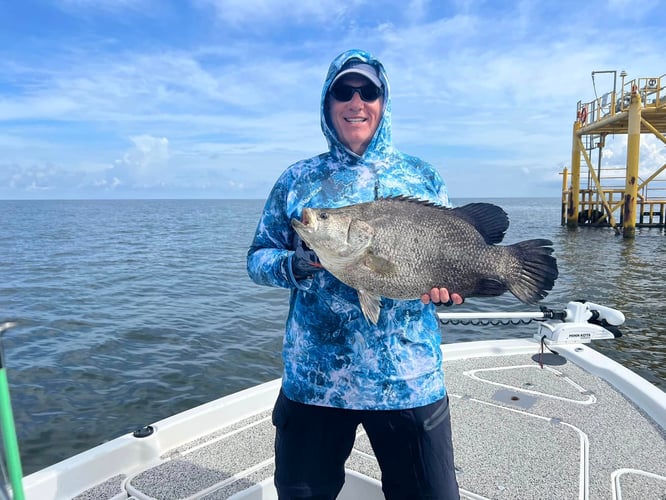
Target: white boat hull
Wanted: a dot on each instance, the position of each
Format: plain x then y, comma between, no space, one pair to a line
484,378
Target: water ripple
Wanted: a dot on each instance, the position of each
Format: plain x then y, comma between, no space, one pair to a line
130,311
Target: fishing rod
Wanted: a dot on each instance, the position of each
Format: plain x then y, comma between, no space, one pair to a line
12,455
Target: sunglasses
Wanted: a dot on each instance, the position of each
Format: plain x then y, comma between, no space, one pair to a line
344,93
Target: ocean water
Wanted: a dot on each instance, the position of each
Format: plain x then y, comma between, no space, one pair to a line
131,311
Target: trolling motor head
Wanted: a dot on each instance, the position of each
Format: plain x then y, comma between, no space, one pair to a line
580,323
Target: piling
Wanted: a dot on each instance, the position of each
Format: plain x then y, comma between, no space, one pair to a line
633,156
574,192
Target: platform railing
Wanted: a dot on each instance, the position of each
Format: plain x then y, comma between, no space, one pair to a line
651,89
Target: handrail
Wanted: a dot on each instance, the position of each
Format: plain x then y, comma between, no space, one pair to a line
651,89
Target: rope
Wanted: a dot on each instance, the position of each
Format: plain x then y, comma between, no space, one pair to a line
541,351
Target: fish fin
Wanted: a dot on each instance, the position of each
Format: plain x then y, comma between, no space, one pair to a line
488,219
370,305
538,270
378,265
413,199
489,287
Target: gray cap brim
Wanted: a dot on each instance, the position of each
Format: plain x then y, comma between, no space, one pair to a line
365,70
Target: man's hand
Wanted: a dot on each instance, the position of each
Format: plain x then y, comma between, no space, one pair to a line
304,263
441,296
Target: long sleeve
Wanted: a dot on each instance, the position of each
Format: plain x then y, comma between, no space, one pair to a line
269,254
269,259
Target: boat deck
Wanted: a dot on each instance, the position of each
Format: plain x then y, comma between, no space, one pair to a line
520,431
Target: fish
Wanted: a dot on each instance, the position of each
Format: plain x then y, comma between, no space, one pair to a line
402,247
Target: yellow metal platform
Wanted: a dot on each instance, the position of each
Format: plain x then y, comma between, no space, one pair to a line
601,196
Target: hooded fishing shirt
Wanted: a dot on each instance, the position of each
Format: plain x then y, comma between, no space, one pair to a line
332,355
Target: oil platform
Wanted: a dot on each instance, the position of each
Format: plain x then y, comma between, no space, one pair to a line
617,197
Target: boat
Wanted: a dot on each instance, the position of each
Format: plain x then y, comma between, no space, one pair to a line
543,417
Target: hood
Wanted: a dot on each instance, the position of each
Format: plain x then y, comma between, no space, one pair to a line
381,142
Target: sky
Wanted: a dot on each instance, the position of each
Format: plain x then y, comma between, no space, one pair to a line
115,99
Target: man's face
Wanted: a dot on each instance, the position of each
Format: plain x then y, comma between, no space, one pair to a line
355,121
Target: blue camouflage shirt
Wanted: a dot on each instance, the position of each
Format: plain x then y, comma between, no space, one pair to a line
332,355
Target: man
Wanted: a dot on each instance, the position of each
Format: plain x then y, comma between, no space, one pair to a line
339,370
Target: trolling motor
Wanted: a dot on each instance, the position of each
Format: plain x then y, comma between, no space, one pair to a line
579,323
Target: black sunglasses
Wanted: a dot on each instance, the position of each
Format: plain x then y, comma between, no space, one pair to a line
344,93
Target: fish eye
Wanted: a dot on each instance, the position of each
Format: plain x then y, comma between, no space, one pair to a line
323,215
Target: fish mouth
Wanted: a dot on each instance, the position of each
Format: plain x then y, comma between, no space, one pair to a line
306,217
307,222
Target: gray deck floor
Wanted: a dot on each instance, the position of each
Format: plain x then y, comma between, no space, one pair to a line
520,432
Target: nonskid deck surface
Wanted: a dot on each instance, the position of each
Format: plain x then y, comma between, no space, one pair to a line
520,431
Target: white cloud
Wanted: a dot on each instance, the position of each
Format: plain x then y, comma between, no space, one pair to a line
112,183
147,162
250,13
628,10
486,85
51,107
105,6
652,155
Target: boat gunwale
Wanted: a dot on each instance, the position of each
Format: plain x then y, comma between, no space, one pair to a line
127,455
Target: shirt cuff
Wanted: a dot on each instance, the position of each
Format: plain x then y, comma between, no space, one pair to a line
303,284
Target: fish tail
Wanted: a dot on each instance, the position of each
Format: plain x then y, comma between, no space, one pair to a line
538,270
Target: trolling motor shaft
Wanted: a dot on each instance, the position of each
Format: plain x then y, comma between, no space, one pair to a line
579,322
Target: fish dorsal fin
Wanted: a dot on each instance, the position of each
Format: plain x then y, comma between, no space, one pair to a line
412,199
488,219
370,305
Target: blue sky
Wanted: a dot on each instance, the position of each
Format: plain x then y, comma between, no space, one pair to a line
215,98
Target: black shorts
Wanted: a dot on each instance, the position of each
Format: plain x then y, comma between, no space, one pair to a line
413,448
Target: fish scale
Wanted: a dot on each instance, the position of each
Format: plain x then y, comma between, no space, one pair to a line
401,248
